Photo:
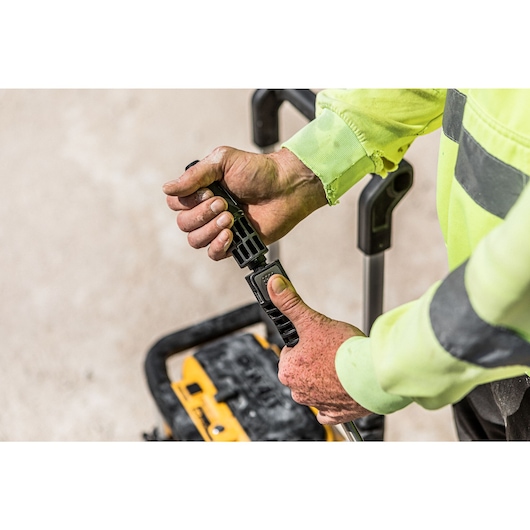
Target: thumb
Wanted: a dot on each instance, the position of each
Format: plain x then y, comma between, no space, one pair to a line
196,176
285,298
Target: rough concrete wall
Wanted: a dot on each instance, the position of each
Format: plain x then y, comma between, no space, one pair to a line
94,269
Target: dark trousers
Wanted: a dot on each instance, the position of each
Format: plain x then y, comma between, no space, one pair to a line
495,411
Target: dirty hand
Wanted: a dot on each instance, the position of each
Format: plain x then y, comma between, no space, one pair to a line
275,190
308,368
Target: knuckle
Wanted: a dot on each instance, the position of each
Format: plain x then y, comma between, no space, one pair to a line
202,195
189,220
284,376
290,301
219,151
218,154
299,397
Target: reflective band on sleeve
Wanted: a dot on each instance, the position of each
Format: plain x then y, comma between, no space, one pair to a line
463,334
491,183
453,113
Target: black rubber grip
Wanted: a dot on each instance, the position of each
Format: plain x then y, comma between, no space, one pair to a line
247,248
258,283
284,326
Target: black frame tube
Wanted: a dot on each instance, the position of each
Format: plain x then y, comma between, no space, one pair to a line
266,104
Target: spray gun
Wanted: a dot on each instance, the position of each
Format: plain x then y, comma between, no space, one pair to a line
248,250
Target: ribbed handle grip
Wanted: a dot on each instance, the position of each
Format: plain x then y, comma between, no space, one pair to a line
284,326
258,283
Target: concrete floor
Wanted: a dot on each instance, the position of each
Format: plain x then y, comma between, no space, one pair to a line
95,269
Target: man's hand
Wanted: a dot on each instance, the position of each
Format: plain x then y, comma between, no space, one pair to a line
275,190
308,369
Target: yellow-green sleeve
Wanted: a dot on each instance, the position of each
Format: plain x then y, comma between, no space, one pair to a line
363,131
422,351
483,308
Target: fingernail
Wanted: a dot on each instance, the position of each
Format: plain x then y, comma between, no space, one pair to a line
227,244
218,206
278,284
224,221
203,194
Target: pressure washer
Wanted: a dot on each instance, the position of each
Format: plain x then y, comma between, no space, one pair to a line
229,389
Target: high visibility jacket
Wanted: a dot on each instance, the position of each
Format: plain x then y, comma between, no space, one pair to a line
473,326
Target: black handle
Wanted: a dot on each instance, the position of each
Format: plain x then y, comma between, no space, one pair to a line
258,283
376,203
247,248
249,251
265,109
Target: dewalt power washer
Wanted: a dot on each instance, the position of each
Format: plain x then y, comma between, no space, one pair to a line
229,390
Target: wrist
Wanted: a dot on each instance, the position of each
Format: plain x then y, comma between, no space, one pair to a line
299,180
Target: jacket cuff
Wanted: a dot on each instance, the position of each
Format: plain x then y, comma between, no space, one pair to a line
355,369
333,152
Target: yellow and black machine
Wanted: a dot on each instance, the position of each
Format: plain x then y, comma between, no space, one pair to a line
229,389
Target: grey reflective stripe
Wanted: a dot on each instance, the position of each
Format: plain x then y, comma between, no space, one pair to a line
463,334
491,183
453,112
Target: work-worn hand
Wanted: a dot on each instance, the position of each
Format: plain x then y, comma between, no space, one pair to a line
275,190
308,368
